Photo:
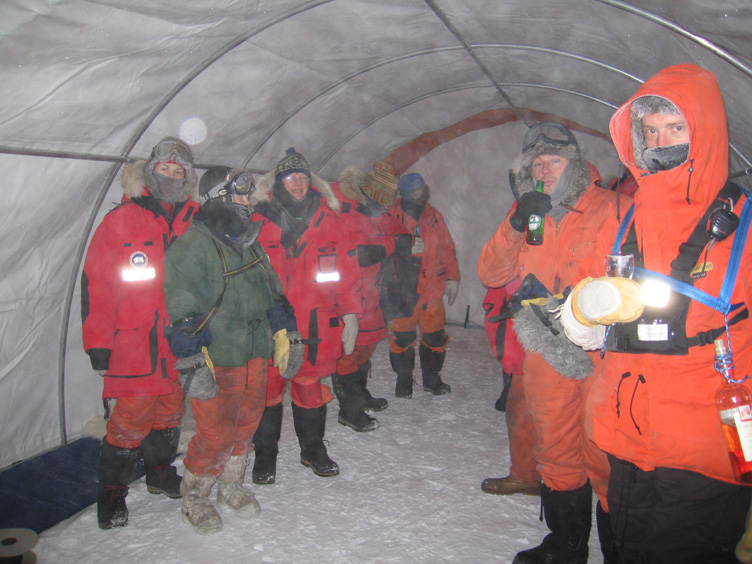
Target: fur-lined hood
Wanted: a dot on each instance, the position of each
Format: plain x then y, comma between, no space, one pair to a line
134,183
581,179
265,184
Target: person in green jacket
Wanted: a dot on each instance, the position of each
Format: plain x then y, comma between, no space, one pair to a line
228,317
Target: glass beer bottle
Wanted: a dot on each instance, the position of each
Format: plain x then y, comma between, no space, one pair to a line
535,223
734,403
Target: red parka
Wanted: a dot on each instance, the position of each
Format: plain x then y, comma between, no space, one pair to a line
321,280
123,308
365,230
667,417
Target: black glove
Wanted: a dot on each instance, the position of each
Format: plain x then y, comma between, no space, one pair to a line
404,244
100,360
369,255
530,203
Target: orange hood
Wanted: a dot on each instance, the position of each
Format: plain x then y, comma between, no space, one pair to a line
664,217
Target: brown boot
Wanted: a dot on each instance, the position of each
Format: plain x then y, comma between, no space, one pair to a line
510,486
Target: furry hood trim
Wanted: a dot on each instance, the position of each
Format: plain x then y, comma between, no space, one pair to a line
265,185
580,172
551,342
134,182
349,182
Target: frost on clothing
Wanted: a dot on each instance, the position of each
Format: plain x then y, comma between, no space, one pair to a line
122,299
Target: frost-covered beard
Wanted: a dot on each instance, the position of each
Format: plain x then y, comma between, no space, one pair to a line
168,189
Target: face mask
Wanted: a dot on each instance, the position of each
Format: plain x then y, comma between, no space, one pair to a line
665,158
169,190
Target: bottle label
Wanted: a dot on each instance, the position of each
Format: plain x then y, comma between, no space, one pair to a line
743,420
534,222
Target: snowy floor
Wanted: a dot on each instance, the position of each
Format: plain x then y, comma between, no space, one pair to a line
408,492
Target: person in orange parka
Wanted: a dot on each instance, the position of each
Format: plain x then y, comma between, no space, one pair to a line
574,209
377,235
672,492
425,277
315,260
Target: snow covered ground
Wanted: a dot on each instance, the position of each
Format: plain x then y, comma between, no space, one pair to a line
408,492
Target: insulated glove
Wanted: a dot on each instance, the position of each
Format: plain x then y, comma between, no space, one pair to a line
595,303
288,353
369,255
530,203
452,287
100,360
197,376
297,350
350,332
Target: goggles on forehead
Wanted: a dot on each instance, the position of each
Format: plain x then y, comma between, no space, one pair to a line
172,150
550,133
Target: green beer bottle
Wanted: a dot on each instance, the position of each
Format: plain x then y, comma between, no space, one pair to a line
535,223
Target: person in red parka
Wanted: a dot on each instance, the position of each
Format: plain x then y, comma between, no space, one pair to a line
377,236
313,256
124,319
574,208
420,282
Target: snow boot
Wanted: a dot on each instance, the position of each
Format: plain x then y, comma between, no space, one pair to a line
403,364
568,516
501,403
352,404
510,486
197,509
266,445
232,494
431,363
606,536
361,378
309,426
158,450
116,469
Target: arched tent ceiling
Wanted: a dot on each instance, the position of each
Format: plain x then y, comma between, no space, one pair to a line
435,86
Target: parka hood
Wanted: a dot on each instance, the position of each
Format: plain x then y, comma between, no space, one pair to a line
265,184
134,182
669,203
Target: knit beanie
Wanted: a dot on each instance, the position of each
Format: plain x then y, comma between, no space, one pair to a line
290,163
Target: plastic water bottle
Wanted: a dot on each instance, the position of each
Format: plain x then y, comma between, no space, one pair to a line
535,223
734,403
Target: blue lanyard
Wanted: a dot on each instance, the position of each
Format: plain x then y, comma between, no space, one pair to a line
723,302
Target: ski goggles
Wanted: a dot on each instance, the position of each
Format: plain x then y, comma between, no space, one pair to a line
550,133
239,184
171,150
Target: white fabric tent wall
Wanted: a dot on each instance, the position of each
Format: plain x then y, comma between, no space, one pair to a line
345,81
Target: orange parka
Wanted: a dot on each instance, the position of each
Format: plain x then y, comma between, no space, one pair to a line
663,414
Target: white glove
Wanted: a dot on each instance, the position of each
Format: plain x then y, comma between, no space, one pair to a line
589,337
418,246
452,287
350,332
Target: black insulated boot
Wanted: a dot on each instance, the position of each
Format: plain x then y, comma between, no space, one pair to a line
116,468
266,445
309,426
431,363
159,449
361,378
352,404
606,536
501,403
568,516
403,364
